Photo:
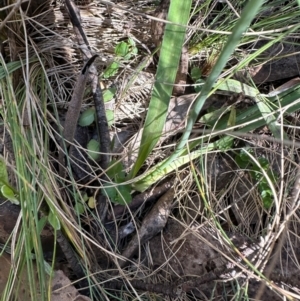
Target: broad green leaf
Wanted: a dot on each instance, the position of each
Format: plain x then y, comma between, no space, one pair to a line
211,117
232,85
267,202
263,162
225,145
53,220
120,194
79,208
252,116
87,117
124,195
109,192
169,58
134,51
198,85
131,42
115,169
85,197
132,46
9,194
111,70
196,73
93,148
108,94
240,162
122,49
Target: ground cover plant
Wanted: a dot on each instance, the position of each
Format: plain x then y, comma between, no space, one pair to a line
149,150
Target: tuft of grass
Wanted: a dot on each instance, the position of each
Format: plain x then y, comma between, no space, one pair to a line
171,48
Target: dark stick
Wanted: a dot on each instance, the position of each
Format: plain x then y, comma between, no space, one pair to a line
75,18
73,113
102,124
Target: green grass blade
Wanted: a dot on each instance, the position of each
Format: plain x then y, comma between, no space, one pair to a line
232,85
241,26
9,68
248,14
169,58
270,118
247,120
152,176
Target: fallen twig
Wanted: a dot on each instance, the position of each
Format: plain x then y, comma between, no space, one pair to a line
138,200
102,125
73,113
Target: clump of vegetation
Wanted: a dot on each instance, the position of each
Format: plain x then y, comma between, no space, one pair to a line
261,173
107,207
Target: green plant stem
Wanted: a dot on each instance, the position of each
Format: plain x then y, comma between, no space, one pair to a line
169,58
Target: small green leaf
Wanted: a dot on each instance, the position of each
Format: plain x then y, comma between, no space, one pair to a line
131,42
232,117
196,73
111,70
256,175
8,193
240,162
110,117
115,169
109,94
79,208
244,155
41,224
87,117
266,193
267,202
264,163
109,192
93,148
53,220
120,194
92,202
134,51
122,49
85,197
225,144
199,84
124,195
